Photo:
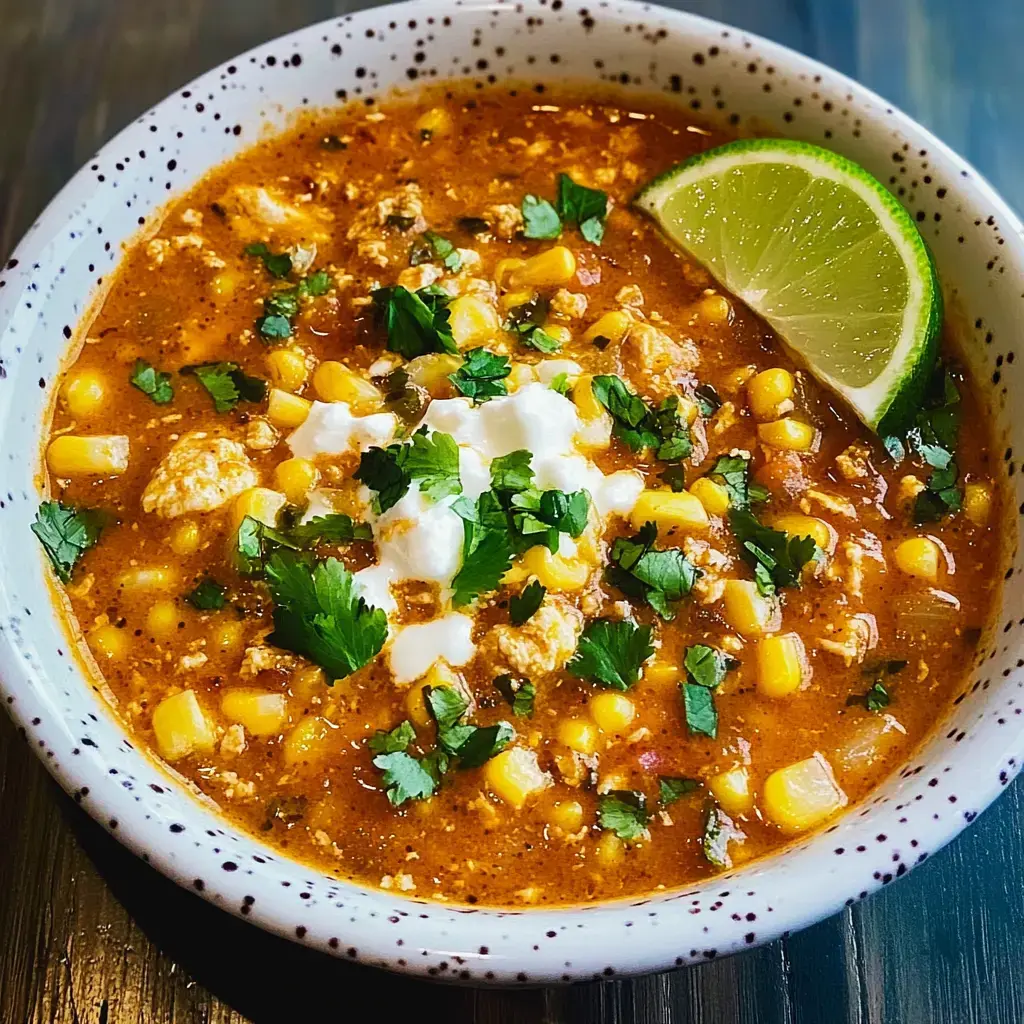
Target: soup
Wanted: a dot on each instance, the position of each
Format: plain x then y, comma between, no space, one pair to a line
425,509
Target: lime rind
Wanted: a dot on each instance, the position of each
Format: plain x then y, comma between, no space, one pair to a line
740,255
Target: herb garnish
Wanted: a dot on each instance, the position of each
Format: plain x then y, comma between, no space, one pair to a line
399,738
708,400
560,383
520,693
623,812
733,473
639,425
280,307
255,541
277,264
643,573
152,382
416,322
333,528
522,606
525,321
410,778
431,246
486,547
540,218
430,459
611,652
471,744
576,204
706,668
227,384
208,596
776,557
66,533
482,376
672,788
878,696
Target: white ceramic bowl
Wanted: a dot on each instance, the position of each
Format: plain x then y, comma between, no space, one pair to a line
60,266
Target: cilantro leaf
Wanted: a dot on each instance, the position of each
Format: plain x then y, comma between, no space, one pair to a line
560,383
319,615
430,459
208,596
540,218
318,283
227,384
482,376
538,517
708,400
512,472
432,246
699,708
334,528
66,533
707,666
660,578
484,742
254,543
539,339
640,426
408,778
486,548
623,812
878,696
382,742
672,788
719,831
586,207
522,606
612,653
382,471
277,264
274,327
416,322
733,473
776,557
520,693
152,382
526,320
473,745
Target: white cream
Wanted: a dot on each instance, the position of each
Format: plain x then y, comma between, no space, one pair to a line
415,648
330,428
549,369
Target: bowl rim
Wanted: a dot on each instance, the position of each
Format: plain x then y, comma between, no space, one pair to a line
107,806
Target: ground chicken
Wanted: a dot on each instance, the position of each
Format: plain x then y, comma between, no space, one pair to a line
652,359
252,210
233,743
629,295
831,503
261,435
402,209
415,278
541,646
853,462
260,658
568,304
506,220
851,643
200,473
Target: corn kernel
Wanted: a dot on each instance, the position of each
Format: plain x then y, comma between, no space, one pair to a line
439,674
732,791
225,284
260,711
579,735
510,300
307,683
612,711
295,478
978,502
307,742
185,538
919,557
747,612
566,815
782,666
153,577
788,435
472,320
181,728
767,390
818,530
712,495
555,572
610,850
715,309
227,635
504,268
520,374
335,382
559,332
108,642
97,455
669,511
431,372
612,326
287,410
802,795
514,775
288,368
84,391
662,673
547,269
162,618
435,123
259,503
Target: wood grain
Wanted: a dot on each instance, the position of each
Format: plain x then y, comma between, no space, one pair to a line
93,936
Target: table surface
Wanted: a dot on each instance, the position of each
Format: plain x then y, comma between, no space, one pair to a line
92,936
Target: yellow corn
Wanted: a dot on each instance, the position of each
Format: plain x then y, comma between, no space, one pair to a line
307,742
434,123
566,815
612,326
295,478
579,735
559,332
227,635
669,511
514,775
307,683
781,665
97,455
802,795
108,642
288,368
259,503
712,495
431,372
510,300
84,391
287,410
788,435
747,612
732,791
818,530
181,728
185,538
473,320
978,502
612,711
920,557
547,269
767,390
520,374
716,309
335,382
503,269
555,572
162,618
596,430
610,850
148,578
260,711
225,284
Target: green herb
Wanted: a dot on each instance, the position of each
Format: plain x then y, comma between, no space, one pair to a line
416,322
66,533
482,376
319,614
334,528
152,382
399,738
623,812
538,517
274,327
660,578
707,666
512,472
317,283
382,471
719,831
699,708
733,473
430,459
776,557
560,383
705,669
675,477
432,246
640,426
612,653
208,596
540,218
522,606
277,264
473,225
878,696
708,400
473,745
409,778
525,321
227,384
520,693
586,207
254,543
486,547
672,788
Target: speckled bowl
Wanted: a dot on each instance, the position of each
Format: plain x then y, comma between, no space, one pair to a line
719,72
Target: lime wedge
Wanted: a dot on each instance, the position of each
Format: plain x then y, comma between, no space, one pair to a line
816,246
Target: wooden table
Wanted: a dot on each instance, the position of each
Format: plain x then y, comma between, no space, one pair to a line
92,936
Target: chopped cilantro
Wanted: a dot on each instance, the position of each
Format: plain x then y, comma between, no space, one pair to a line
643,573
152,382
274,326
486,547
719,831
525,321
473,745
585,207
623,812
319,614
540,218
399,738
431,459
705,669
538,517
409,778
227,384
522,606
482,376
484,742
560,383
277,264
254,543
699,708
334,528
878,697
733,473
512,472
416,322
317,283
431,246
612,653
66,533
776,557
672,788
520,693
638,425
708,400
675,477
381,470
707,666
208,596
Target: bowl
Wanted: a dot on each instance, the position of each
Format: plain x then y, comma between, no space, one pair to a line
721,73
